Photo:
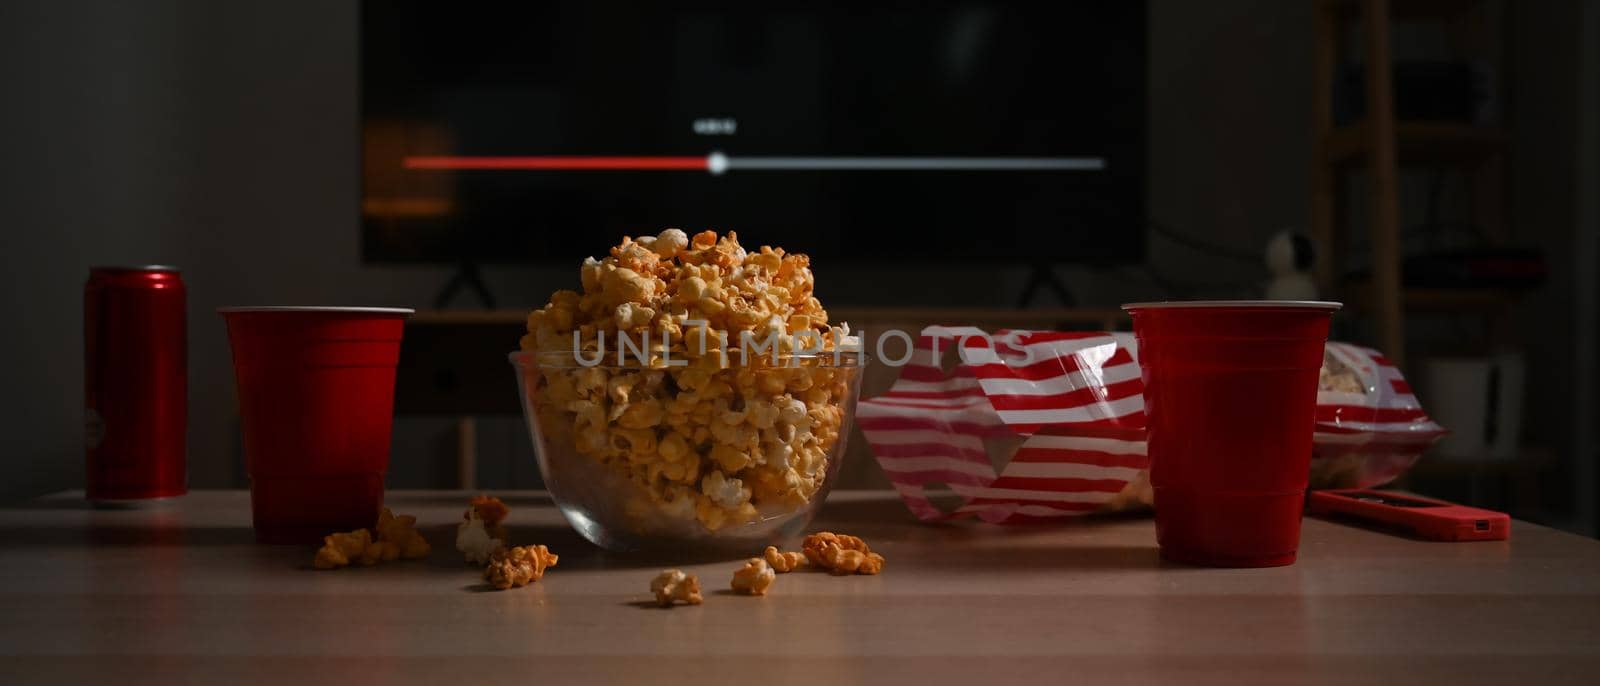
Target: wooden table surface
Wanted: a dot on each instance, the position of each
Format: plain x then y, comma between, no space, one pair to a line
180,594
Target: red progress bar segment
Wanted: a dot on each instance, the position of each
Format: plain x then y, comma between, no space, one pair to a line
548,162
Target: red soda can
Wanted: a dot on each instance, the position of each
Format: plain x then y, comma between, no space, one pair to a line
136,383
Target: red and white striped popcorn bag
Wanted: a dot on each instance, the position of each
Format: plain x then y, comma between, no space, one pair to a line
1064,411
1028,426
1370,427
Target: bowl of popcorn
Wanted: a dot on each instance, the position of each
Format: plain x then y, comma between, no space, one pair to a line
693,396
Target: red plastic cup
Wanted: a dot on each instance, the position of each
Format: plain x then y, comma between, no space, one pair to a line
316,400
1230,392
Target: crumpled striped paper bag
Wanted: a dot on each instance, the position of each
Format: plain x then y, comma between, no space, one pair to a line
1071,421
1063,414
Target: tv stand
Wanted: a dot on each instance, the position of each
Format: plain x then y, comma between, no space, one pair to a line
465,276
1043,275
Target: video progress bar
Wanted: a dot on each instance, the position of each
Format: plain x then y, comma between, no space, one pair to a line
718,163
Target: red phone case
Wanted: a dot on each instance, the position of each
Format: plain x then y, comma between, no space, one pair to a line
1435,520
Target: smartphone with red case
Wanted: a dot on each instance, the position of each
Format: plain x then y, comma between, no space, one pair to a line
1434,520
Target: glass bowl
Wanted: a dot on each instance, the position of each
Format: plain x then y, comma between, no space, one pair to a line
717,457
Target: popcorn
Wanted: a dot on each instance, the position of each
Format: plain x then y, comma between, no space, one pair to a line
480,535
725,438
669,243
475,541
492,511
400,533
782,562
673,586
380,551
338,549
754,578
841,554
841,561
725,492
1335,375
816,544
397,538
519,566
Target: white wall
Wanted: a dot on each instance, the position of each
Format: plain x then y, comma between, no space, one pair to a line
220,137
84,181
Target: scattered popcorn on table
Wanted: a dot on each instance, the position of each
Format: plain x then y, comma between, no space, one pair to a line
481,534
339,549
400,532
673,586
711,443
519,566
397,538
754,578
841,554
782,562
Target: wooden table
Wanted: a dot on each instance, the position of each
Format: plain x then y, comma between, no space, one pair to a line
179,593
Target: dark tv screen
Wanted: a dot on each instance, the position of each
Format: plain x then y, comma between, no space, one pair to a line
543,131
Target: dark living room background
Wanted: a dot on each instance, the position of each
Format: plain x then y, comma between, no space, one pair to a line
224,137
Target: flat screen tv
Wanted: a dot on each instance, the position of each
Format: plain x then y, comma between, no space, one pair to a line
935,130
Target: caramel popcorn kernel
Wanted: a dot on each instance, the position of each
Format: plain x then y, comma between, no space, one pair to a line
490,509
841,561
754,578
397,538
782,562
841,554
400,533
519,566
815,544
380,551
339,550
672,586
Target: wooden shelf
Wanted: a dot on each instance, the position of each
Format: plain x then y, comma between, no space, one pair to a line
1380,145
1417,142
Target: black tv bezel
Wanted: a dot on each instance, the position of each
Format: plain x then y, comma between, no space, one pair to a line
1138,243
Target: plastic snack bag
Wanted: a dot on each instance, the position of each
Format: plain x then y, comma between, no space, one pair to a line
1027,426
1370,427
